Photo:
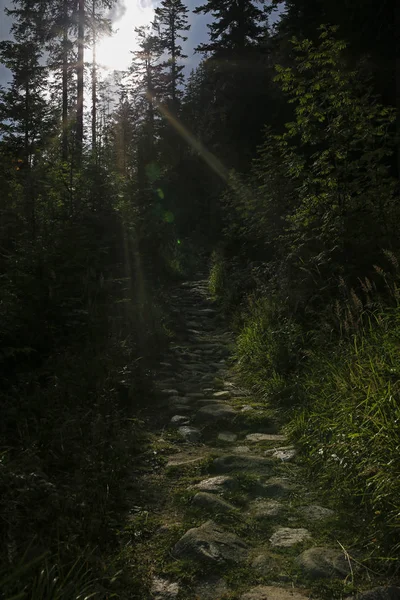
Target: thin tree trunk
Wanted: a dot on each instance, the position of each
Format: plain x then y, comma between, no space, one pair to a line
30,212
64,134
150,111
397,76
79,70
94,83
173,59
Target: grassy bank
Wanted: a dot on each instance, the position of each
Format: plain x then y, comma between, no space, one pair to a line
335,381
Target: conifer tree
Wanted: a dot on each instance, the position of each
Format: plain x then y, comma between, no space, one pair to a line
170,21
237,24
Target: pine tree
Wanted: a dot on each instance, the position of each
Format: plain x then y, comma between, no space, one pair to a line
26,119
170,21
59,45
79,75
147,80
237,24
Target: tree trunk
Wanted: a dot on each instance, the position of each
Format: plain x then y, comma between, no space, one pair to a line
150,106
173,60
79,72
94,83
397,76
64,133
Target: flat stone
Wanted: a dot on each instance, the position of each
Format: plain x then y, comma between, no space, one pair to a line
178,420
262,592
247,408
171,392
380,593
241,449
195,395
215,412
283,454
178,400
208,402
217,484
212,589
323,563
191,434
314,512
176,461
284,537
238,462
162,589
266,508
275,487
226,436
265,437
222,394
212,503
212,544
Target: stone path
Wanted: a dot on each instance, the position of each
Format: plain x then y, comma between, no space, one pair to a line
233,518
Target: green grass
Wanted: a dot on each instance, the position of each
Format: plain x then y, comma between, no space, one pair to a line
350,427
340,402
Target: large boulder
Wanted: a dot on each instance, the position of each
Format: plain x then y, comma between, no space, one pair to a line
212,544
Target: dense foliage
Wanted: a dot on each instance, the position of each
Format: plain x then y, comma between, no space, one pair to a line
309,258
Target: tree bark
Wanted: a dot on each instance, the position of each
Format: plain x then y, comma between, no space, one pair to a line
94,83
173,59
397,78
64,134
79,71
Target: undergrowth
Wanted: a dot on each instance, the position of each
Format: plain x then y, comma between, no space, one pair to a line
340,397
69,437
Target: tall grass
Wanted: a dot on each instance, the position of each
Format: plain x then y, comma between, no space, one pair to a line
336,380
267,348
350,426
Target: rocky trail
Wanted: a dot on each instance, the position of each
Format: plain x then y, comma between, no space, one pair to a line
228,514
